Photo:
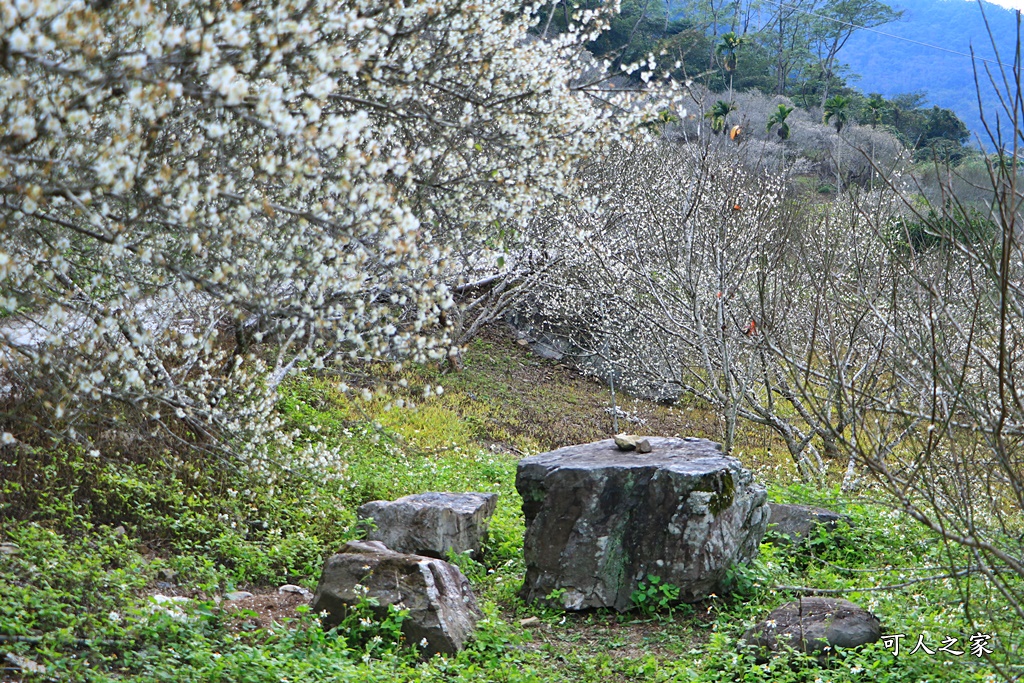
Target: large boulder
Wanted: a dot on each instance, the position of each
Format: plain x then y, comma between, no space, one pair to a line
796,523
431,524
442,608
814,624
599,520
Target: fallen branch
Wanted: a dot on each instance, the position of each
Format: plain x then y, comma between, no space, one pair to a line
873,570
476,284
77,642
874,589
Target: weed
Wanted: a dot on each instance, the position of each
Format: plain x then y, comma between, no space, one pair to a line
654,595
373,630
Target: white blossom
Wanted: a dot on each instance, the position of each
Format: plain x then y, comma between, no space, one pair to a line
212,176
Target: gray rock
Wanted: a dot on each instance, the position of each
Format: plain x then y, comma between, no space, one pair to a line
442,608
798,522
292,588
812,624
598,520
9,549
547,349
234,596
25,664
431,524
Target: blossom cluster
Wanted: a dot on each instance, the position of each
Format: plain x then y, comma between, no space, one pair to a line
183,182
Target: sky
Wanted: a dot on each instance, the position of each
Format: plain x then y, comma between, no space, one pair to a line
1011,4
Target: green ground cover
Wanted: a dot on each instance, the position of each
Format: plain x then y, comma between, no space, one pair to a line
91,539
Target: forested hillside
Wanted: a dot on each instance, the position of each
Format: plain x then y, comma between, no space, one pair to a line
892,67
811,50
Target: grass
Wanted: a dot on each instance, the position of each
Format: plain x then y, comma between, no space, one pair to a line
91,541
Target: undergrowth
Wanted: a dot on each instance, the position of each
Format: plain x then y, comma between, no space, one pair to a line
97,548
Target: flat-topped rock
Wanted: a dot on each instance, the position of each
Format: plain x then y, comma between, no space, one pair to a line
431,524
599,520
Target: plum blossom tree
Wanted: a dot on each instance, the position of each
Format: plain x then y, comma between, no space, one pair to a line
695,277
180,181
945,441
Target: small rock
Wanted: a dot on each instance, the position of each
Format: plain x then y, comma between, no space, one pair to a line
119,531
25,664
546,350
629,442
442,608
292,588
529,621
798,522
235,596
9,549
812,624
431,524
167,575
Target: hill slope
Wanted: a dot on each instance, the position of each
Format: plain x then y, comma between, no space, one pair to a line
85,556
891,67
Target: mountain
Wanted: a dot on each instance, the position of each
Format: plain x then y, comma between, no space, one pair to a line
891,66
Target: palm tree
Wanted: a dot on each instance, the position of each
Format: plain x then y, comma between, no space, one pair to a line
876,105
837,113
719,111
778,118
663,118
666,117
726,49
